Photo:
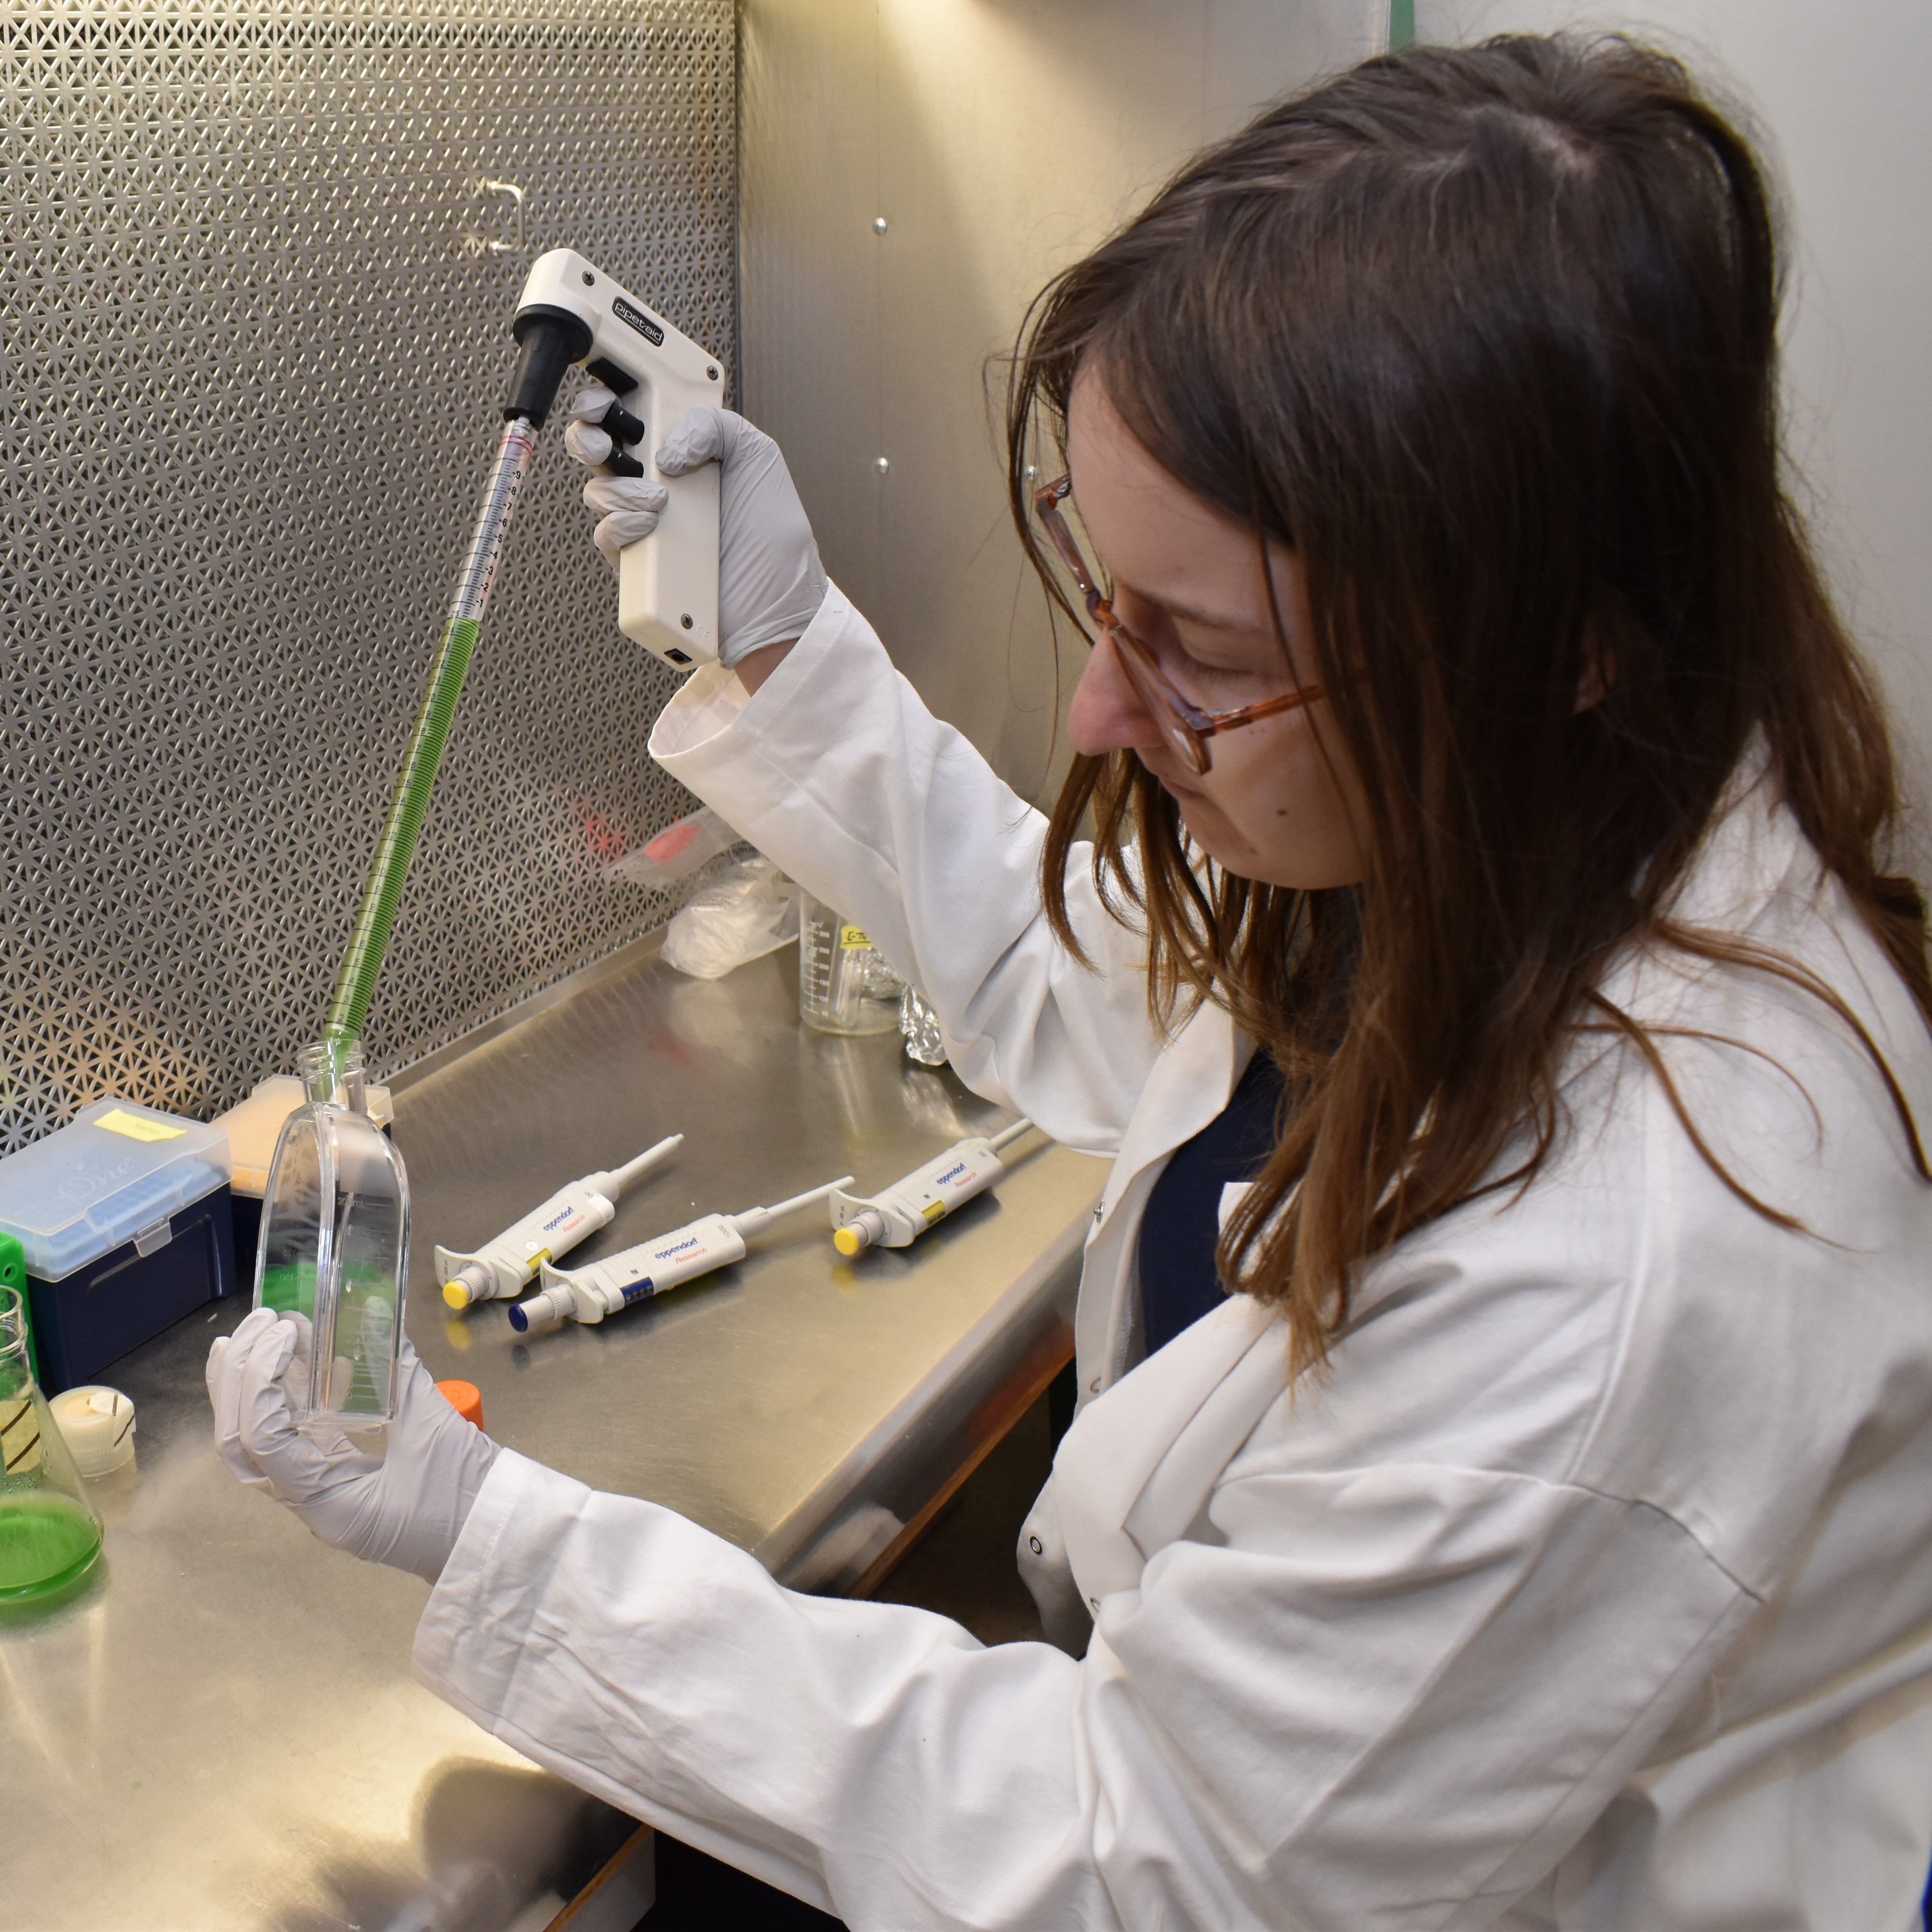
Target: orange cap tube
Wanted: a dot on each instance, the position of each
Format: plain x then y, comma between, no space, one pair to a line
466,1398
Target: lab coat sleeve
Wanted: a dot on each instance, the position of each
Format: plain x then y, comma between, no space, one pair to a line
1388,1699
838,771
814,1742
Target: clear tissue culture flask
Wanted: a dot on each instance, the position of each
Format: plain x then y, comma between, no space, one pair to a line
49,1535
334,1247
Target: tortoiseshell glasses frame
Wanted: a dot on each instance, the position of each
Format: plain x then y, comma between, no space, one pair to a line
1184,726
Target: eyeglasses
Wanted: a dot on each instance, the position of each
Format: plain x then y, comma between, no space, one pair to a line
1184,726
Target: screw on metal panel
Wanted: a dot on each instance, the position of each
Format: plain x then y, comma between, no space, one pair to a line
712,373
885,463
589,280
879,225
686,620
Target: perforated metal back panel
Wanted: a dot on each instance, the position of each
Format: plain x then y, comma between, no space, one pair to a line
254,346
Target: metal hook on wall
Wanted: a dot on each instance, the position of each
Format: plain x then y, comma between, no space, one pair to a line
516,195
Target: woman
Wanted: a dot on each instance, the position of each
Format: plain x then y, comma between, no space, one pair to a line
1486,798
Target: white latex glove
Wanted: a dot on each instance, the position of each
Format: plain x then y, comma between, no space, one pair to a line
629,506
405,1507
770,582
583,438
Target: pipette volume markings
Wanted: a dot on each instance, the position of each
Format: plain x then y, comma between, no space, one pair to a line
898,1215
383,889
505,1267
588,1294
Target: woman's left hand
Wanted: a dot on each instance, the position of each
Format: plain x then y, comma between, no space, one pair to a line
405,1507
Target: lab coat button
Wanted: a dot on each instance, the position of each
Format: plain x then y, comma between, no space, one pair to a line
1095,1385
1094,1604
1038,1548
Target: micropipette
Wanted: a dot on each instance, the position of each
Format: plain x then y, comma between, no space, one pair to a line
505,1267
588,1293
897,1217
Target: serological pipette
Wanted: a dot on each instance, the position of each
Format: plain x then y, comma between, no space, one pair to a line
898,1216
666,1261
570,312
506,1266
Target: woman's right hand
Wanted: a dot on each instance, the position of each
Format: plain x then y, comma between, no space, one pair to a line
770,582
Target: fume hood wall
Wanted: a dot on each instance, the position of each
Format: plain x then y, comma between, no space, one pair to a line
255,342
997,140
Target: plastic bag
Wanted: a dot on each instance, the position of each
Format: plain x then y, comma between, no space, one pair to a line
745,913
919,1025
675,854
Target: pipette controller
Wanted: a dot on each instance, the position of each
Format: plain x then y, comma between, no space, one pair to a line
668,582
665,1261
897,1217
505,1266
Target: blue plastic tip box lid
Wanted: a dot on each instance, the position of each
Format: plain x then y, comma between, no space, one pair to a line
118,1169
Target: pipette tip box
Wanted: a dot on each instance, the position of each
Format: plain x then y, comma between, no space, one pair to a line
124,1218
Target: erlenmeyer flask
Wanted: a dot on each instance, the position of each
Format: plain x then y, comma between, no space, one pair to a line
49,1535
334,1247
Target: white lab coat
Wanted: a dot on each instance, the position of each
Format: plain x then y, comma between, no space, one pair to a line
1591,1589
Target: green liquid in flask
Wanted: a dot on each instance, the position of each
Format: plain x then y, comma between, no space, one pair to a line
46,1543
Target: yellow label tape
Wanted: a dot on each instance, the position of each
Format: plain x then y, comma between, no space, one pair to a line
852,939
137,1127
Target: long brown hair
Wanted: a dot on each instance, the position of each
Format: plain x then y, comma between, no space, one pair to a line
1488,336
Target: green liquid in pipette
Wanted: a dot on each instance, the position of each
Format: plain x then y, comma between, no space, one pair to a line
46,1543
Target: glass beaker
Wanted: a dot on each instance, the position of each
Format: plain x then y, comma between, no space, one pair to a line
49,1535
845,984
334,1246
